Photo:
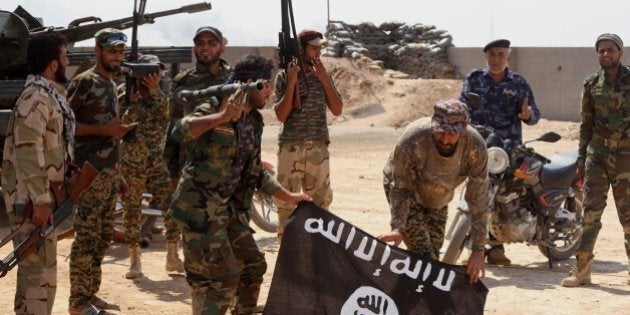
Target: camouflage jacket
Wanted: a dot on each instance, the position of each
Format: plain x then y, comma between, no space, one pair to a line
37,144
195,78
419,174
212,157
152,118
501,102
605,109
309,121
94,100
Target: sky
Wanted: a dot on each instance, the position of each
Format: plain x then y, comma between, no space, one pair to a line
472,23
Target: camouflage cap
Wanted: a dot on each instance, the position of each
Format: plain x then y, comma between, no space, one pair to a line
151,59
110,38
211,30
450,116
611,37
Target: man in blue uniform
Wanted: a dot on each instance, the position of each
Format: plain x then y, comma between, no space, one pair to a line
507,101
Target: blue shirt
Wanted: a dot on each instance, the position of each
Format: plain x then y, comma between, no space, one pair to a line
501,101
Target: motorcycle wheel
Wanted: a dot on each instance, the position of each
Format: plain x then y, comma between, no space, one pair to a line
456,244
264,212
566,250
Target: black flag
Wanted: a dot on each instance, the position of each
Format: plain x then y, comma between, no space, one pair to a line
328,266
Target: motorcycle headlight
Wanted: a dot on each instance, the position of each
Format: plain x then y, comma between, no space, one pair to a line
498,160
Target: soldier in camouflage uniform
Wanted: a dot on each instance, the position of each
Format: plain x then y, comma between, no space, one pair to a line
93,98
209,70
144,168
508,101
603,151
212,200
37,145
432,157
303,158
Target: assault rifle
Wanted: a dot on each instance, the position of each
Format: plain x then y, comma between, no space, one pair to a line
182,97
131,82
29,245
289,47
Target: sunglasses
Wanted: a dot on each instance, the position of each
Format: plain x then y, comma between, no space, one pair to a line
115,37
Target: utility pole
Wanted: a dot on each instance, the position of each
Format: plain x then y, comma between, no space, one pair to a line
328,9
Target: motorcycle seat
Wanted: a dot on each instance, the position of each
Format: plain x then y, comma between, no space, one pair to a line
561,171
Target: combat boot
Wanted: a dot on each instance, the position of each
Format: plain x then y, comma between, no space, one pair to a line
581,273
173,263
135,266
496,256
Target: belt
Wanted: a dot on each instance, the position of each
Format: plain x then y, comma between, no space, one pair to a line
612,144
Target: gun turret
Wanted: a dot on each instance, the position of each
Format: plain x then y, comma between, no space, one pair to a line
16,27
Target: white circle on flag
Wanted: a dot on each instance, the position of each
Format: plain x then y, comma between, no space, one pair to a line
369,301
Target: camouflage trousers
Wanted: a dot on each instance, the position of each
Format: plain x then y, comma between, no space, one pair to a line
602,170
424,231
304,166
221,257
425,228
36,274
144,171
94,230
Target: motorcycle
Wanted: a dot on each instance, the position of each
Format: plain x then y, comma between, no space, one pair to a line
533,199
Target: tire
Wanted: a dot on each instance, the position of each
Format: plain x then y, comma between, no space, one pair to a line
456,244
264,212
565,252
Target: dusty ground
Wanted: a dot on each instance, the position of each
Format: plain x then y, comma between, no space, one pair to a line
361,141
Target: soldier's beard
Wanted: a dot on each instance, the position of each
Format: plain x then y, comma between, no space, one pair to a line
445,149
614,64
60,74
208,60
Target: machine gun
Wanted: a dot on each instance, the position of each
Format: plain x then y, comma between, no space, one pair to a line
30,244
19,25
182,96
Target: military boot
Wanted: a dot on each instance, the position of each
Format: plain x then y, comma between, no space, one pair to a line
496,256
135,267
581,273
173,263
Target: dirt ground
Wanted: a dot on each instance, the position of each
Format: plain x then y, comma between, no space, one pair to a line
362,138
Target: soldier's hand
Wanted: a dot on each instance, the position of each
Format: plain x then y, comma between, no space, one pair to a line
476,268
292,70
233,107
295,198
291,198
319,71
135,95
116,128
393,236
526,110
151,81
42,216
